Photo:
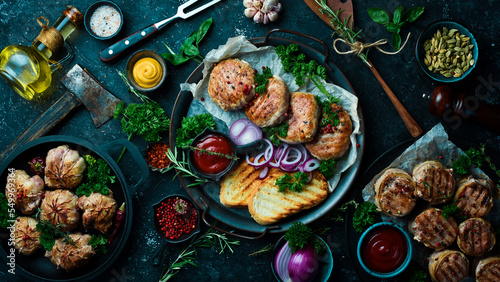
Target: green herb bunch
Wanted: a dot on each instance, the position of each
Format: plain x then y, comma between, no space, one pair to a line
99,242
475,157
4,212
191,127
50,232
272,132
400,19
327,168
454,211
262,80
365,215
98,177
189,50
299,235
294,183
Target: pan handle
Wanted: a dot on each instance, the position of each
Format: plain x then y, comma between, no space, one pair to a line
204,217
142,166
327,50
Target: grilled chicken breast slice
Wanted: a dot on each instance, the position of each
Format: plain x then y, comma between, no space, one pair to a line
475,237
303,118
448,265
231,84
394,192
474,197
270,107
433,230
332,143
488,270
435,183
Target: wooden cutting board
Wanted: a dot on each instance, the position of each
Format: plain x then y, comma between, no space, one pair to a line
335,5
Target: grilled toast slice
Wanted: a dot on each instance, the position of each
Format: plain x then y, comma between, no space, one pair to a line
268,205
237,186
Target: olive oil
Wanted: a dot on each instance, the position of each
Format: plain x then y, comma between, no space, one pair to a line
28,70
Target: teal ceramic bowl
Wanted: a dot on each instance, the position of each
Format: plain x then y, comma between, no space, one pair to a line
325,261
427,33
367,235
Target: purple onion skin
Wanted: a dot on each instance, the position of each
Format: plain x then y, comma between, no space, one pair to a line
303,265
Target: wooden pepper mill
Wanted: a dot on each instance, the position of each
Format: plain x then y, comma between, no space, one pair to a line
447,104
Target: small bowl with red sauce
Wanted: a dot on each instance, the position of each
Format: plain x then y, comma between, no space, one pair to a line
384,250
213,154
176,220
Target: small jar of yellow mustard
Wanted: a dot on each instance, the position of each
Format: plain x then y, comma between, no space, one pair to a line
147,72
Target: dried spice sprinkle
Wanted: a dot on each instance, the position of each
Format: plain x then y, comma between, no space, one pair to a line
176,217
156,155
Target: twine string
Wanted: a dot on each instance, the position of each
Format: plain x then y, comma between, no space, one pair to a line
358,47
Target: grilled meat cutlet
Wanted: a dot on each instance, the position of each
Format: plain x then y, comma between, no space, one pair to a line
434,230
270,107
488,270
394,192
475,236
474,197
435,183
303,118
448,265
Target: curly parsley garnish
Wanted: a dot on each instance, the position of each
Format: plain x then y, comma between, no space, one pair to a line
365,215
50,232
299,235
4,212
452,210
98,177
99,243
292,183
273,132
326,167
191,127
262,79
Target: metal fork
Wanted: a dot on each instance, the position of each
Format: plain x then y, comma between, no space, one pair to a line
126,43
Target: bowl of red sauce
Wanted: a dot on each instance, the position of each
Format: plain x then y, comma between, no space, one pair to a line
384,250
212,154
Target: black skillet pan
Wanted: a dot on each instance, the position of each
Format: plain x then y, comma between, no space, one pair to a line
37,267
207,197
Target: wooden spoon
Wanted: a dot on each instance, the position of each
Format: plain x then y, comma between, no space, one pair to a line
347,12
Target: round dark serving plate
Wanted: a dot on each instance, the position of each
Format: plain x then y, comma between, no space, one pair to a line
207,197
38,267
352,237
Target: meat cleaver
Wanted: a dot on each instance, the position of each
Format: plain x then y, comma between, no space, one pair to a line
83,89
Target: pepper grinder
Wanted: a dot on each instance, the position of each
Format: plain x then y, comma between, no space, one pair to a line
448,104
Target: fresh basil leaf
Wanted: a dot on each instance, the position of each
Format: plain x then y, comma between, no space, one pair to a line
175,59
413,13
188,48
392,27
396,41
378,15
397,14
202,31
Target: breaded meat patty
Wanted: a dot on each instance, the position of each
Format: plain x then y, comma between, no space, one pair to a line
231,84
269,108
303,121
333,141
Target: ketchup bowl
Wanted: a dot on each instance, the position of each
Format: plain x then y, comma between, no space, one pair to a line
213,166
384,250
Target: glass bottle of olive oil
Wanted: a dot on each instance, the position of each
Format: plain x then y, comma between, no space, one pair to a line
28,70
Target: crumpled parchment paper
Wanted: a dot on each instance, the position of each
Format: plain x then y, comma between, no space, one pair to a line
240,47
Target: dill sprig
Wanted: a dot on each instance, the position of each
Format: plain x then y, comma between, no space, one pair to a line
212,153
182,167
342,28
188,255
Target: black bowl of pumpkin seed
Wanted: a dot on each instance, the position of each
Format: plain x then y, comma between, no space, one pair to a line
446,51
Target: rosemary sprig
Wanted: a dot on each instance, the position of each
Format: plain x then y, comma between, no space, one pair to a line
144,98
182,167
267,249
212,153
188,254
342,28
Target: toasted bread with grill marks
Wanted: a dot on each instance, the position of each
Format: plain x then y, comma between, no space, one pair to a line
268,205
237,186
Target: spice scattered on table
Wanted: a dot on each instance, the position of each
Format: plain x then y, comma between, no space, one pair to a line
105,21
156,155
176,217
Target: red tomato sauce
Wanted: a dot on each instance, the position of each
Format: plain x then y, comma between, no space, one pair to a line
212,164
384,249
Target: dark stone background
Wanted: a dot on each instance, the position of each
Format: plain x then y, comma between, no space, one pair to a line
383,127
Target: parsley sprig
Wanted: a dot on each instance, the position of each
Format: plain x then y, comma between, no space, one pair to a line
99,242
454,211
4,212
475,157
299,235
294,183
50,232
191,127
262,80
327,168
365,215
272,132
98,177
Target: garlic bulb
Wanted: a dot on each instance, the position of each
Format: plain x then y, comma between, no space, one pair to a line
262,11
